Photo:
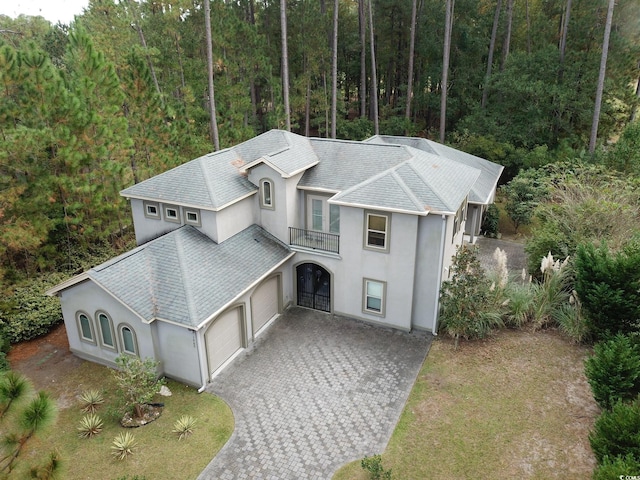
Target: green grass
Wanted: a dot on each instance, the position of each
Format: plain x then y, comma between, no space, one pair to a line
158,455
516,405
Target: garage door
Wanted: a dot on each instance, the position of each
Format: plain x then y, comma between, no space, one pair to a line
264,303
224,338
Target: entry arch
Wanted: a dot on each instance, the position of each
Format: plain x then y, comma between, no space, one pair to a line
314,286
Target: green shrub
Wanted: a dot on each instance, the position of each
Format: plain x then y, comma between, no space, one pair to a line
373,465
491,221
614,371
608,285
90,400
571,321
551,293
618,467
468,307
520,304
616,432
184,426
90,425
28,313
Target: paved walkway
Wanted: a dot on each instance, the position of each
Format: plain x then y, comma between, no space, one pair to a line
315,392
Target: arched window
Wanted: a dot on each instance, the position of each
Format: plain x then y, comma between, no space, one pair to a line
107,336
85,327
266,193
128,339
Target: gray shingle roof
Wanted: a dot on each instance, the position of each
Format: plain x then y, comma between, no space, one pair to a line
423,182
211,181
483,188
185,277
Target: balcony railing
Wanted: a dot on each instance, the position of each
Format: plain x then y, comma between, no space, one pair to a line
327,242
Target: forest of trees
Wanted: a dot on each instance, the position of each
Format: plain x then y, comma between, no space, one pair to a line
124,92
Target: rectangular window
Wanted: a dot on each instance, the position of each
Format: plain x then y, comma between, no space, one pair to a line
377,231
316,215
171,214
192,217
334,219
151,210
374,293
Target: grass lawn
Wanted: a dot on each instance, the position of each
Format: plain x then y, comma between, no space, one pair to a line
516,405
159,454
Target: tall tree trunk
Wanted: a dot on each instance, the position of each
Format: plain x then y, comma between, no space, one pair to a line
307,109
285,63
362,22
507,36
212,99
143,42
374,76
526,5
563,39
601,75
412,46
448,20
634,110
334,70
492,46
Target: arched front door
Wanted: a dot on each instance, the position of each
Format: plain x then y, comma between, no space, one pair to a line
314,287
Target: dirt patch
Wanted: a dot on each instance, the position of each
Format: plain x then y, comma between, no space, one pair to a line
45,360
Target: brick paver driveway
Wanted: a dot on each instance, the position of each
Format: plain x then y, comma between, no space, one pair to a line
315,392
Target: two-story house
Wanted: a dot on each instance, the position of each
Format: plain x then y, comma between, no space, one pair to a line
228,240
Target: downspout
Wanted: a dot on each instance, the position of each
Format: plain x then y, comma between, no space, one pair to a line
439,283
200,361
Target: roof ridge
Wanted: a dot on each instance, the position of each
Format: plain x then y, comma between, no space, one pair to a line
206,179
407,190
425,180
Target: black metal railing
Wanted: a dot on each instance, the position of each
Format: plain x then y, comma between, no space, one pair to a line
327,242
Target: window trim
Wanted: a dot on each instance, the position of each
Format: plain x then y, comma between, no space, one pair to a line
387,232
148,214
92,340
169,218
192,211
271,205
134,338
365,296
103,344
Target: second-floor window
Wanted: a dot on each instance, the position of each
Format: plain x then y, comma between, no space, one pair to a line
377,231
152,210
266,193
172,213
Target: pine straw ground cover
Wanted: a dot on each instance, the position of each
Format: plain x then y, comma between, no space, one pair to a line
516,405
158,455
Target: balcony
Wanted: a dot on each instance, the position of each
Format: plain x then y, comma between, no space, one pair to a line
326,242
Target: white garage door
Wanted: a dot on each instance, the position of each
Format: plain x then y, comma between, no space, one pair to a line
224,338
264,303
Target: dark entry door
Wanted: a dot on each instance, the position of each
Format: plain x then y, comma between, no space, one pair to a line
314,287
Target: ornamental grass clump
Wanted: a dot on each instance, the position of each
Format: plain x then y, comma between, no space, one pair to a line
90,426
184,426
123,445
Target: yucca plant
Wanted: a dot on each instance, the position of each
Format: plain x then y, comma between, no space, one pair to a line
91,399
123,445
184,426
90,425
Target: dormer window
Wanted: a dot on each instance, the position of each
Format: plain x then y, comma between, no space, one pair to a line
266,194
172,213
152,210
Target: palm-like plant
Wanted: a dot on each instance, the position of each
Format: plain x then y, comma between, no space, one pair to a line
91,399
123,445
90,425
50,470
184,426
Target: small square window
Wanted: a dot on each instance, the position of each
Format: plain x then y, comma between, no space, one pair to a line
151,210
192,217
172,214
